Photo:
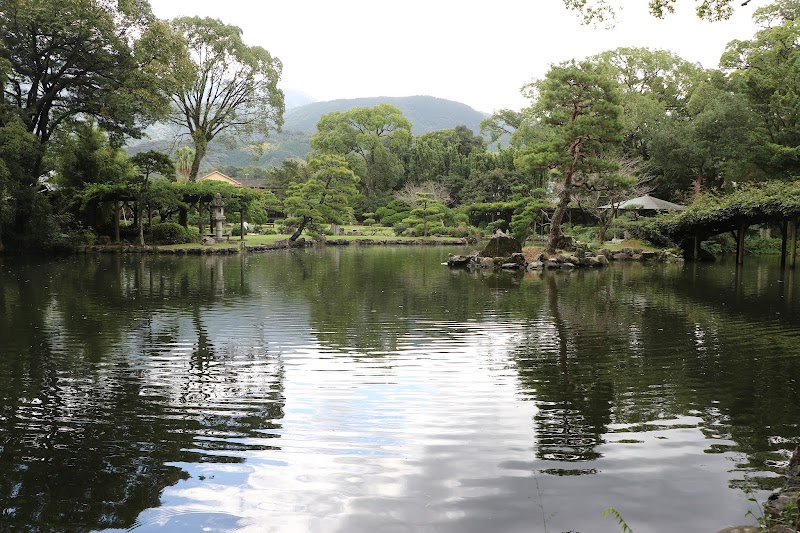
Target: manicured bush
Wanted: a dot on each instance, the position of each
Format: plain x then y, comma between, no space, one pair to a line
400,228
192,234
395,218
170,233
491,227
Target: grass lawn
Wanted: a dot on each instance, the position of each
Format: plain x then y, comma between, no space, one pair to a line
255,240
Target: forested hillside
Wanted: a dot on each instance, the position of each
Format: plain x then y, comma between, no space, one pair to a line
426,114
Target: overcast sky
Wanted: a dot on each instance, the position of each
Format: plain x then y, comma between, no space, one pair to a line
479,53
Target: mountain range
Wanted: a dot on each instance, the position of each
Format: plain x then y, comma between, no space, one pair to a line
426,114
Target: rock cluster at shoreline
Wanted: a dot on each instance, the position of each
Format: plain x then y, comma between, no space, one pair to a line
580,257
781,509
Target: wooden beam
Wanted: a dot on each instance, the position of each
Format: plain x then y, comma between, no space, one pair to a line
784,239
740,243
116,221
793,242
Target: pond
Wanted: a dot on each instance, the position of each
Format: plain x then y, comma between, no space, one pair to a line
373,389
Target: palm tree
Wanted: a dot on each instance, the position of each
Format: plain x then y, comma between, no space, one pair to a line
184,156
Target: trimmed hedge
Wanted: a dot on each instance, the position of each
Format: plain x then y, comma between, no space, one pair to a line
172,233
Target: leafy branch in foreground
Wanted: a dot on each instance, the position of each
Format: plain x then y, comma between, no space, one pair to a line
613,512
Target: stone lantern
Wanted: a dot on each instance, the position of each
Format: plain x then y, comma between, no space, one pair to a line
219,215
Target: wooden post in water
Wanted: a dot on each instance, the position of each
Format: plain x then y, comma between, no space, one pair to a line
793,248
241,224
116,221
696,251
740,243
784,239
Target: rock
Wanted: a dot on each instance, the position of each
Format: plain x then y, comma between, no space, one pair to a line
636,257
604,252
518,259
486,262
535,265
208,241
779,504
458,261
501,245
621,256
566,242
567,265
647,256
592,261
511,266
551,265
603,260
742,529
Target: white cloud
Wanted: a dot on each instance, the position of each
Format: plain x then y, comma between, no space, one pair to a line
475,52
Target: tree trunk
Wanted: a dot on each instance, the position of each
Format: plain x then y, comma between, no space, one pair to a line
697,186
200,146
555,223
140,217
561,208
299,230
601,232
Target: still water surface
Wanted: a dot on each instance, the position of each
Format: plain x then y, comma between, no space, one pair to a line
375,390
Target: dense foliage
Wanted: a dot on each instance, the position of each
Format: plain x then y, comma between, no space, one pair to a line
81,78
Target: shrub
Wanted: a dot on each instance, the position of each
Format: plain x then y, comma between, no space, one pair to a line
463,231
192,234
395,218
400,228
369,221
756,245
170,233
491,227
461,218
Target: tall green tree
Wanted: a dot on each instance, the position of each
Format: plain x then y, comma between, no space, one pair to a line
605,10
371,139
147,165
655,86
68,61
72,58
579,104
225,86
765,69
291,171
708,148
18,158
83,158
326,197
